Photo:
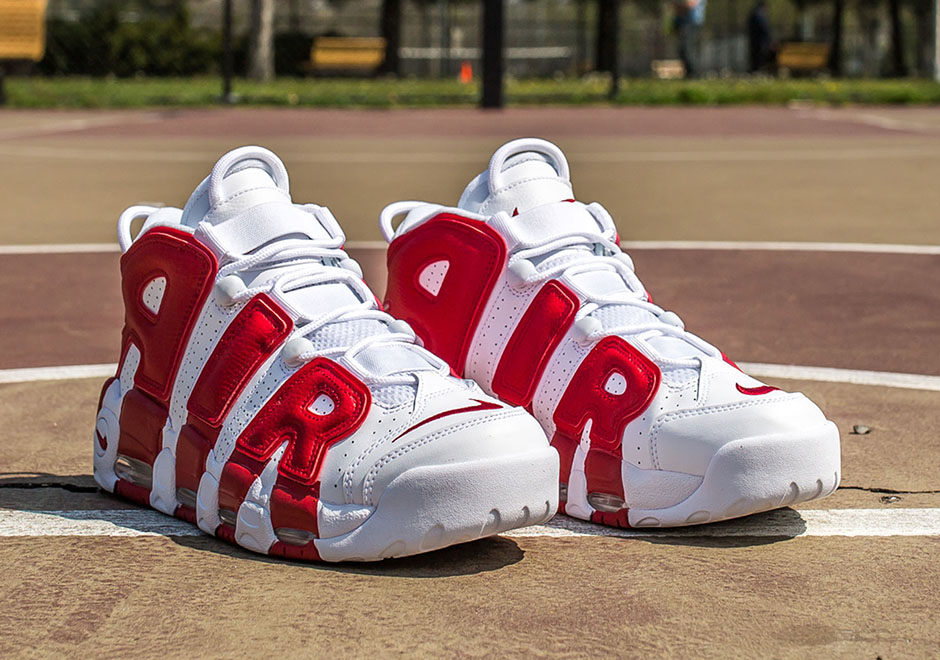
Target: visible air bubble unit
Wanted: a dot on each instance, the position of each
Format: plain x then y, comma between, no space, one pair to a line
294,536
606,502
562,492
186,497
227,517
135,471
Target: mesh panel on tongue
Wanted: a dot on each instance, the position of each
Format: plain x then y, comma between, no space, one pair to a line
617,316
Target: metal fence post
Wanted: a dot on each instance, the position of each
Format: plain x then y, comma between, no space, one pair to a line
493,58
615,48
227,55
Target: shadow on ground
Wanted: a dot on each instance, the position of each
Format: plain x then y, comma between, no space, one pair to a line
78,497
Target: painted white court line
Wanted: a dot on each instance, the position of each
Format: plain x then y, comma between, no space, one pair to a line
852,376
872,119
783,246
773,246
436,158
60,248
78,124
783,523
32,374
757,369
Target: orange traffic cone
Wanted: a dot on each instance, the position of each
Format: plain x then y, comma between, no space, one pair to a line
466,72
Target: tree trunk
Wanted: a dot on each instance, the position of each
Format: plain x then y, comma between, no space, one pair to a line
581,58
924,21
898,66
391,32
606,35
261,41
835,55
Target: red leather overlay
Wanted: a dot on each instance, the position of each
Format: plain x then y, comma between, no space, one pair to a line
249,340
586,398
287,417
189,268
192,450
445,322
102,440
616,519
535,338
132,492
142,421
756,391
730,361
481,405
237,476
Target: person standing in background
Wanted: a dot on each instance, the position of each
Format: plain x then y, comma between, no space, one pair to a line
689,17
760,40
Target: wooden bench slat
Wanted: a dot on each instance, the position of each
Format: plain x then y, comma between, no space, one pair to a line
347,53
22,29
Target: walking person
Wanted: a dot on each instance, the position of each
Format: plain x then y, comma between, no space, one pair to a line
689,17
760,40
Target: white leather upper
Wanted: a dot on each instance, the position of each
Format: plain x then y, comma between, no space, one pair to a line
697,408
408,386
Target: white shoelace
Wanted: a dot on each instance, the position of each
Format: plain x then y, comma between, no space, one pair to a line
308,263
585,252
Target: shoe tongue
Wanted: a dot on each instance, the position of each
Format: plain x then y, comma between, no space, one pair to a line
530,173
244,205
522,175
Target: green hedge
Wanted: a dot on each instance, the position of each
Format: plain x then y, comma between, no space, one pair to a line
101,43
93,92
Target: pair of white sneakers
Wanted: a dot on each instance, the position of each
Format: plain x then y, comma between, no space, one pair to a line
519,368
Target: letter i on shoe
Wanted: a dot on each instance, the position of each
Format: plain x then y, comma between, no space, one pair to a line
263,394
526,290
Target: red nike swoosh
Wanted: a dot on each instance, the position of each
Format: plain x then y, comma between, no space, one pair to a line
484,405
756,391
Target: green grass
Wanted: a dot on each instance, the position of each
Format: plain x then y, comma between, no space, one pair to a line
388,93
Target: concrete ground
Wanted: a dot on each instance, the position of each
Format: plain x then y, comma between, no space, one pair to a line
847,176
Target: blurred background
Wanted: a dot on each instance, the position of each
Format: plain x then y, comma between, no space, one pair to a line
432,51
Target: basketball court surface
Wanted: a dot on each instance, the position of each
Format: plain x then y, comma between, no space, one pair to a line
803,242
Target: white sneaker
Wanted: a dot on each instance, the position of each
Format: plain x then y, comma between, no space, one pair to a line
264,395
526,291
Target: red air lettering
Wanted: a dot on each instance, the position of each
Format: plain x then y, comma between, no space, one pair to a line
535,338
189,270
288,417
586,398
475,255
250,339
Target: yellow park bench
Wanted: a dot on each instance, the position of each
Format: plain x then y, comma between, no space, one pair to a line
802,56
22,29
361,55
668,69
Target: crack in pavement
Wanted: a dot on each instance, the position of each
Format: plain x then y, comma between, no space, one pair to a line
889,491
31,485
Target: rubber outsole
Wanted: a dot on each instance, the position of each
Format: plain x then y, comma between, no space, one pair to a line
423,509
748,476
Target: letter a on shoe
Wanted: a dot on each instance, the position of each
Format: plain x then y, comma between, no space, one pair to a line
263,394
526,291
